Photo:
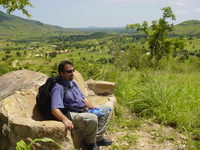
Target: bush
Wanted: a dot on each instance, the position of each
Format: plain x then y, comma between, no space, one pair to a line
18,54
5,68
133,57
89,69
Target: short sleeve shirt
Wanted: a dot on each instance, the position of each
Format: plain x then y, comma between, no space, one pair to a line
73,96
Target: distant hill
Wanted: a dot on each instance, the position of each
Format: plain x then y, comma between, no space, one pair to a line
190,27
13,25
102,29
10,24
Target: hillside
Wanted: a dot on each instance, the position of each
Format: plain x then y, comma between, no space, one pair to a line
190,27
11,25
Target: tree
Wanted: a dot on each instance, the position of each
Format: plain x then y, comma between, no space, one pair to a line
159,42
12,5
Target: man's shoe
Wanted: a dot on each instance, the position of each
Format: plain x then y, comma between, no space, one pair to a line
92,147
104,142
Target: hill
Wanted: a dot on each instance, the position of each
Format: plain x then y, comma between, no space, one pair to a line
190,27
12,25
103,29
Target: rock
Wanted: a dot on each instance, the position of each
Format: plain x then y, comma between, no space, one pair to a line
19,118
101,87
16,80
81,83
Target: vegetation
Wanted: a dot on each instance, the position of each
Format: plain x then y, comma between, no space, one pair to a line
23,30
188,28
159,43
21,145
12,5
157,75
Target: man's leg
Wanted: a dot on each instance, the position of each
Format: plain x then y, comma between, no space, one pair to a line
86,124
102,125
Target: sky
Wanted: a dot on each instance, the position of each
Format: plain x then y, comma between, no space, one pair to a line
107,13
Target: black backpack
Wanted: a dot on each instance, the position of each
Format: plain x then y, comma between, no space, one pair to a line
43,99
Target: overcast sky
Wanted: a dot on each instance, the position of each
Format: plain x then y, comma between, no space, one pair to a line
108,13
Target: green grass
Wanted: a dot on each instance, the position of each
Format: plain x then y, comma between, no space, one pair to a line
173,98
193,44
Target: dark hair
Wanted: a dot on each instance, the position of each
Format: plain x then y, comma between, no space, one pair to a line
62,65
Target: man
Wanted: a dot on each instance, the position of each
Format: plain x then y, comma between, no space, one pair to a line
67,96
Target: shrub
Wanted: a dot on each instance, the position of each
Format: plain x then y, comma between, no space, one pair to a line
18,54
5,68
133,57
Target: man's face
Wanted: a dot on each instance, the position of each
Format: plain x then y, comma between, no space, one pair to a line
68,73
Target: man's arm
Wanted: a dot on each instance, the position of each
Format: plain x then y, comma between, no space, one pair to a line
88,103
57,94
60,116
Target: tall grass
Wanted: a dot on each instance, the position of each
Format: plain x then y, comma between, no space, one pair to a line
173,99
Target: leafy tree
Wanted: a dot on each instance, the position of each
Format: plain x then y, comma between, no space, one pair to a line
12,5
159,42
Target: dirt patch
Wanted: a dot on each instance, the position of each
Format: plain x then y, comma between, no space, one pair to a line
14,63
148,136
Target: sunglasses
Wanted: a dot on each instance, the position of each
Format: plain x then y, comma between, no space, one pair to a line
69,71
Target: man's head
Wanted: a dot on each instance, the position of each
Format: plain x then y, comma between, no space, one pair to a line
66,70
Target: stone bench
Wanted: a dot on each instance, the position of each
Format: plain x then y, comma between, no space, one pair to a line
19,118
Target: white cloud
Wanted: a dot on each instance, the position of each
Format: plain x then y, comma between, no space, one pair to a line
182,12
178,3
181,4
128,0
197,10
183,7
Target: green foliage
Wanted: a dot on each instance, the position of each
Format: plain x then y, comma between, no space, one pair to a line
12,5
133,57
5,68
159,42
21,145
89,69
18,54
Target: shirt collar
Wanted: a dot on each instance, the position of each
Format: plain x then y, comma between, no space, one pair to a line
68,84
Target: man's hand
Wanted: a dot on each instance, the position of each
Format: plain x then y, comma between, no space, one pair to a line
89,104
60,116
68,124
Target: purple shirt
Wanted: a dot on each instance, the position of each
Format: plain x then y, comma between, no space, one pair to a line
73,96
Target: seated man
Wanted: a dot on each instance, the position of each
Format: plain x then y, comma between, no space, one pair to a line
67,97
